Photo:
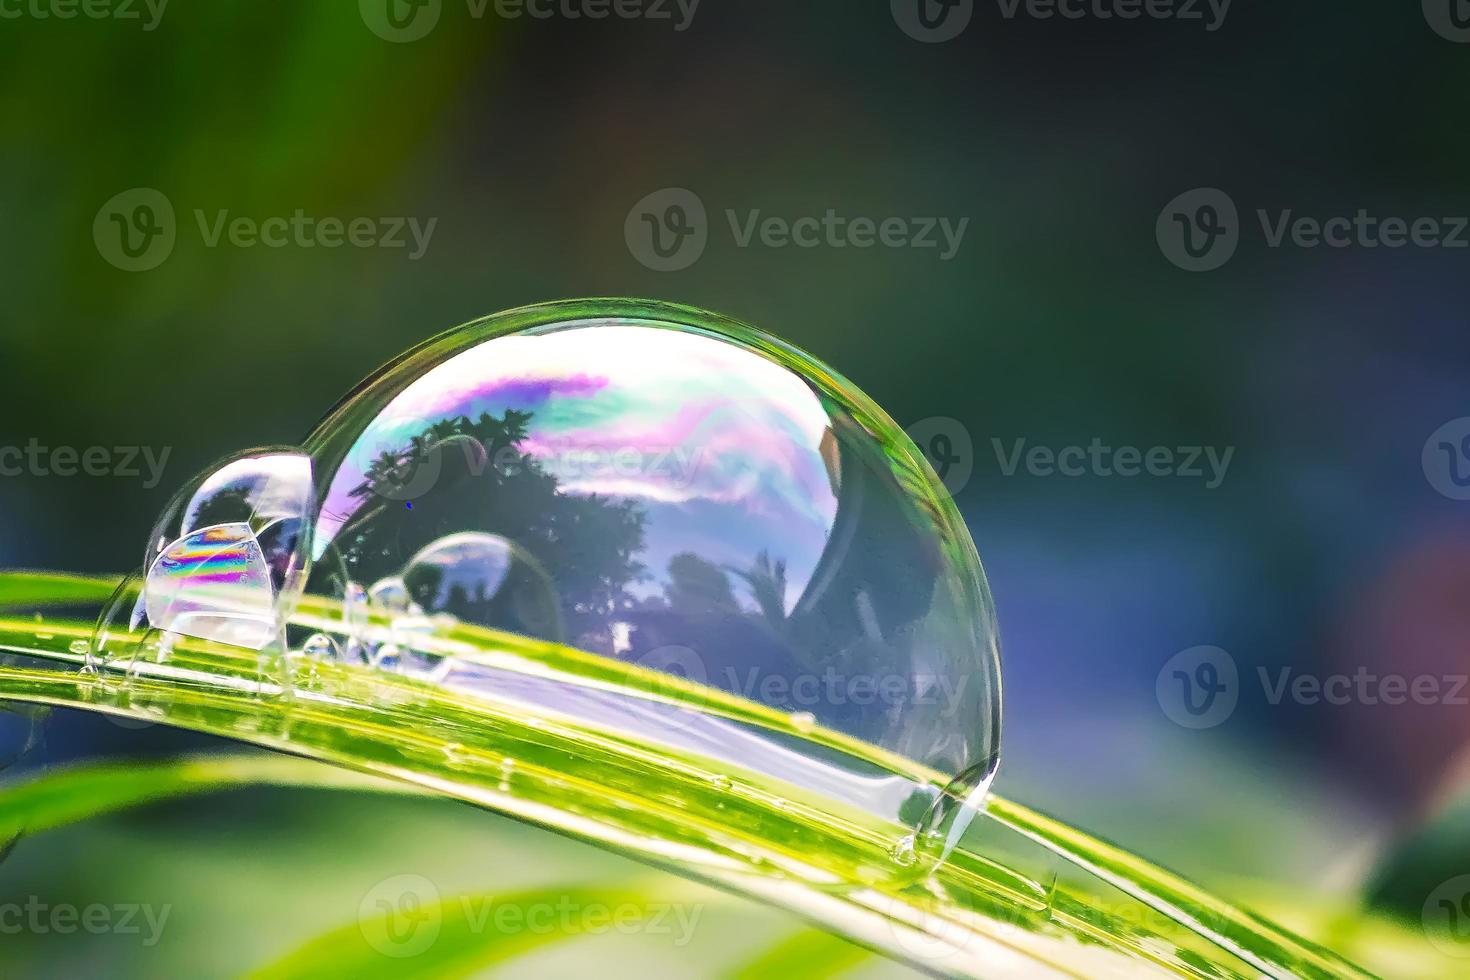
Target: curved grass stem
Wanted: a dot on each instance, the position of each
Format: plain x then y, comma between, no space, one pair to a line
1034,897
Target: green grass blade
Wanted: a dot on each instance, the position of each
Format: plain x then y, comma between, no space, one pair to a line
980,915
459,937
809,955
33,590
59,797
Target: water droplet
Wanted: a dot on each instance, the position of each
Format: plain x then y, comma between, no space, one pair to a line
21,727
904,852
485,580
387,657
390,595
79,647
804,721
721,782
320,646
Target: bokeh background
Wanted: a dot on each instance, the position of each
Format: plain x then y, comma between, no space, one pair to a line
1335,543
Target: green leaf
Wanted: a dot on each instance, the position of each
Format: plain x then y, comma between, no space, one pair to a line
453,938
985,912
810,955
59,797
33,590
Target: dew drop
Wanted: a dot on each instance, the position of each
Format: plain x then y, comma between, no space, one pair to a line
804,722
319,646
904,853
390,595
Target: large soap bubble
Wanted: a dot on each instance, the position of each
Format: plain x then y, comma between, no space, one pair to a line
635,481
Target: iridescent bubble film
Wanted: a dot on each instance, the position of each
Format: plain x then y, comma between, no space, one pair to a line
213,584
641,483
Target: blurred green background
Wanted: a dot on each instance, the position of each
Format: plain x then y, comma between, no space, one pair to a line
1326,548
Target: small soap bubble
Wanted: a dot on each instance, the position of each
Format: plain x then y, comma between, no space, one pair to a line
319,646
390,595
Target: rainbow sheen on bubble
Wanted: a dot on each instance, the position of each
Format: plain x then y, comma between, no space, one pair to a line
642,485
214,584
